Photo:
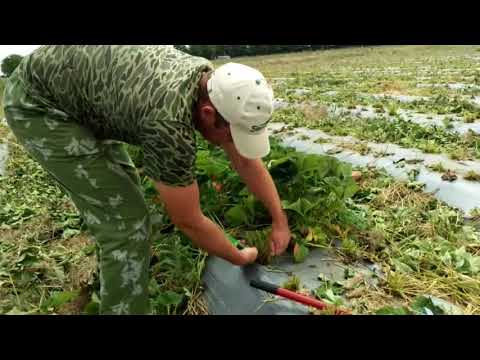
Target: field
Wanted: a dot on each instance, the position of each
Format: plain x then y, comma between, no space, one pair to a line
407,119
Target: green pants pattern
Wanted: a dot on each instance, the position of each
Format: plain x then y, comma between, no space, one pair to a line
104,186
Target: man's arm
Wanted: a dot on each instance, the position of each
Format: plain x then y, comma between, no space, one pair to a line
183,207
260,183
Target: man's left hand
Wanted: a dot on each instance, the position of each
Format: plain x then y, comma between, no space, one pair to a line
280,237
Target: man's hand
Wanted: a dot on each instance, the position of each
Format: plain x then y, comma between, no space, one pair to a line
249,256
280,236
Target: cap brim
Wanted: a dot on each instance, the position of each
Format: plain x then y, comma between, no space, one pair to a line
250,146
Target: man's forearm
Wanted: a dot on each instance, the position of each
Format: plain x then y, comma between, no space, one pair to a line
206,235
260,183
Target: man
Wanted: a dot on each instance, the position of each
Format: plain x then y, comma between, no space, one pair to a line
72,107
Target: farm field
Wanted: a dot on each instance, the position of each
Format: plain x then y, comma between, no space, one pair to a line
403,120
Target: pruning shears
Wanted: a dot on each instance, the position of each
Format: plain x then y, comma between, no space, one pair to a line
294,296
287,294
235,242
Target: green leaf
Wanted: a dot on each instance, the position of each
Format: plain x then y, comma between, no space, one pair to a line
244,192
401,267
348,273
390,310
208,165
92,308
300,252
447,307
332,298
272,164
250,205
330,292
302,206
237,216
90,249
463,261
169,298
313,164
475,265
260,240
446,258
424,305
58,299
350,190
283,169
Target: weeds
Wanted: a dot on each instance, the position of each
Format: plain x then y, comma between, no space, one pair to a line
360,147
48,262
472,176
470,118
293,283
429,139
448,123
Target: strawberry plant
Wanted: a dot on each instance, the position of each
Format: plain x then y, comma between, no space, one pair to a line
315,191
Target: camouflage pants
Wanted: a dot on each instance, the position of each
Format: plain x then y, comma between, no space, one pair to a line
103,183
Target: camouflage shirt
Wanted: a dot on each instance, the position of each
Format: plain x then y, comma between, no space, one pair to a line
142,95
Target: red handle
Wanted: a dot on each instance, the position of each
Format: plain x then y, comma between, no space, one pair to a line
291,295
305,300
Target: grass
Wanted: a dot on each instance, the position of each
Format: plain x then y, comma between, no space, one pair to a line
459,153
472,176
367,71
343,61
360,147
429,139
438,167
417,231
42,250
293,283
48,262
447,122
321,141
470,118
392,109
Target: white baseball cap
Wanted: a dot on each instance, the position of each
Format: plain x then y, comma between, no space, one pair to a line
245,100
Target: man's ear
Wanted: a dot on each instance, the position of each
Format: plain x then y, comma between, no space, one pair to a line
208,114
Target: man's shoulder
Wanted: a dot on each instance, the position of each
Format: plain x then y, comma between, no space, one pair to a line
176,85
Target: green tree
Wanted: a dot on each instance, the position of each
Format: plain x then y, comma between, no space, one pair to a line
220,50
10,63
205,51
259,49
238,50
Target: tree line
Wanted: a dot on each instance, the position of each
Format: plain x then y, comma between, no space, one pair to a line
10,63
215,51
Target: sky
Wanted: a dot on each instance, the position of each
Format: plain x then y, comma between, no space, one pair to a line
23,50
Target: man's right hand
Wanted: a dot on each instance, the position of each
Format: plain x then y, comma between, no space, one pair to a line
249,255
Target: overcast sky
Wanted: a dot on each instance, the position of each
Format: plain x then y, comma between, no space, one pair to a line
23,50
